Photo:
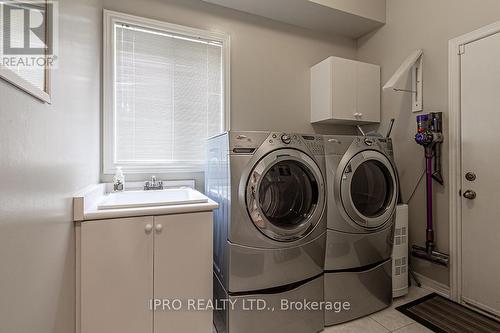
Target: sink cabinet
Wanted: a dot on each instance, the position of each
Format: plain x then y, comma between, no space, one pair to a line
122,264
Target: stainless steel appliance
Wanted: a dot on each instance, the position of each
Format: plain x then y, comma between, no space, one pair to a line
363,190
270,229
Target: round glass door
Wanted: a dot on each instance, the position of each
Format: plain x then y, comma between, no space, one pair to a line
285,195
369,189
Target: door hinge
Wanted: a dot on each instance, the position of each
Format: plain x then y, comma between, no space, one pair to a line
461,49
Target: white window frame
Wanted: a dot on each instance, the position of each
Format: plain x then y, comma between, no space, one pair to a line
110,19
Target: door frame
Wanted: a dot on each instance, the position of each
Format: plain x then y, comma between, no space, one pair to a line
456,49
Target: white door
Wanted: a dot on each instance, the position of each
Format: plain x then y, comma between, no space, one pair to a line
480,119
117,275
183,270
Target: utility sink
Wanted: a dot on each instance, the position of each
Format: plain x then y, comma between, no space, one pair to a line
136,199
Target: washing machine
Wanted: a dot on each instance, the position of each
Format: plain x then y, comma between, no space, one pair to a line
363,190
269,230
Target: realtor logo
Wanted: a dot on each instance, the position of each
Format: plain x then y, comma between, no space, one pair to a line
28,32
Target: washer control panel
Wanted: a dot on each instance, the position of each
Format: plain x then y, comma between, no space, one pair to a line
315,144
286,139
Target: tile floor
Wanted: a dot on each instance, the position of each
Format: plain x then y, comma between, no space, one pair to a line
388,320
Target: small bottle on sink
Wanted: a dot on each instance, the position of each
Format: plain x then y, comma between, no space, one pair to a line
118,180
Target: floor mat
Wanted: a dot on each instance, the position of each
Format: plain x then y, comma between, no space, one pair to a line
444,316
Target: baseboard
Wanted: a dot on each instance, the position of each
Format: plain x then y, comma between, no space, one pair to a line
432,285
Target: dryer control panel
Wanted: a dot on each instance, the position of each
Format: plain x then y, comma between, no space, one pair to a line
386,144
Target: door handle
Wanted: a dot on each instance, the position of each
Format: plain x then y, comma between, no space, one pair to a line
470,194
148,228
158,228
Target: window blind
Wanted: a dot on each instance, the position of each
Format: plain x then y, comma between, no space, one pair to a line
168,96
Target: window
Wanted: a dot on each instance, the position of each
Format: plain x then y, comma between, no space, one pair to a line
164,94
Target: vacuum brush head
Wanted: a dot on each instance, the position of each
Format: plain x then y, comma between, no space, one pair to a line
432,256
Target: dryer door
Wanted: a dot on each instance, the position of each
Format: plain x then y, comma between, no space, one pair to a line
369,189
285,195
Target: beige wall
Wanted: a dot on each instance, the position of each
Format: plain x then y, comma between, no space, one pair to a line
47,152
426,24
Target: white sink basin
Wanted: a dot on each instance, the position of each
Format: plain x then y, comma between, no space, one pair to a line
135,199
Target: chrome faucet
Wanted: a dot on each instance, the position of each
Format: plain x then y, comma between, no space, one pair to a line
153,184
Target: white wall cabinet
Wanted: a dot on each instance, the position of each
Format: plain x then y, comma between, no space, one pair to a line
124,263
345,91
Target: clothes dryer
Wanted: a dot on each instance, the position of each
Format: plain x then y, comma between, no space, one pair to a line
363,189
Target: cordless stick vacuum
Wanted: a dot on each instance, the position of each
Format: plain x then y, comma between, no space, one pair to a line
430,136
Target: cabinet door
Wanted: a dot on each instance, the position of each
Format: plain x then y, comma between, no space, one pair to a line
344,89
368,92
117,275
183,270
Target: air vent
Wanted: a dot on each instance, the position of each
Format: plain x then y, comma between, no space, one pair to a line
400,253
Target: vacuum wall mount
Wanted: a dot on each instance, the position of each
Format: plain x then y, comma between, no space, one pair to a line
430,136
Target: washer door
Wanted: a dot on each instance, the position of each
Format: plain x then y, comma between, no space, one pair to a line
285,195
368,189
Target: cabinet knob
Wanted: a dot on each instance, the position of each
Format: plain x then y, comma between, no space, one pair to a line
159,227
148,228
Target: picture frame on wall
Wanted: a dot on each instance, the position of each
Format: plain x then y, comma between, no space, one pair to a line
27,45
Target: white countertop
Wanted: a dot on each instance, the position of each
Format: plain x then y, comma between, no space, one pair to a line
86,202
